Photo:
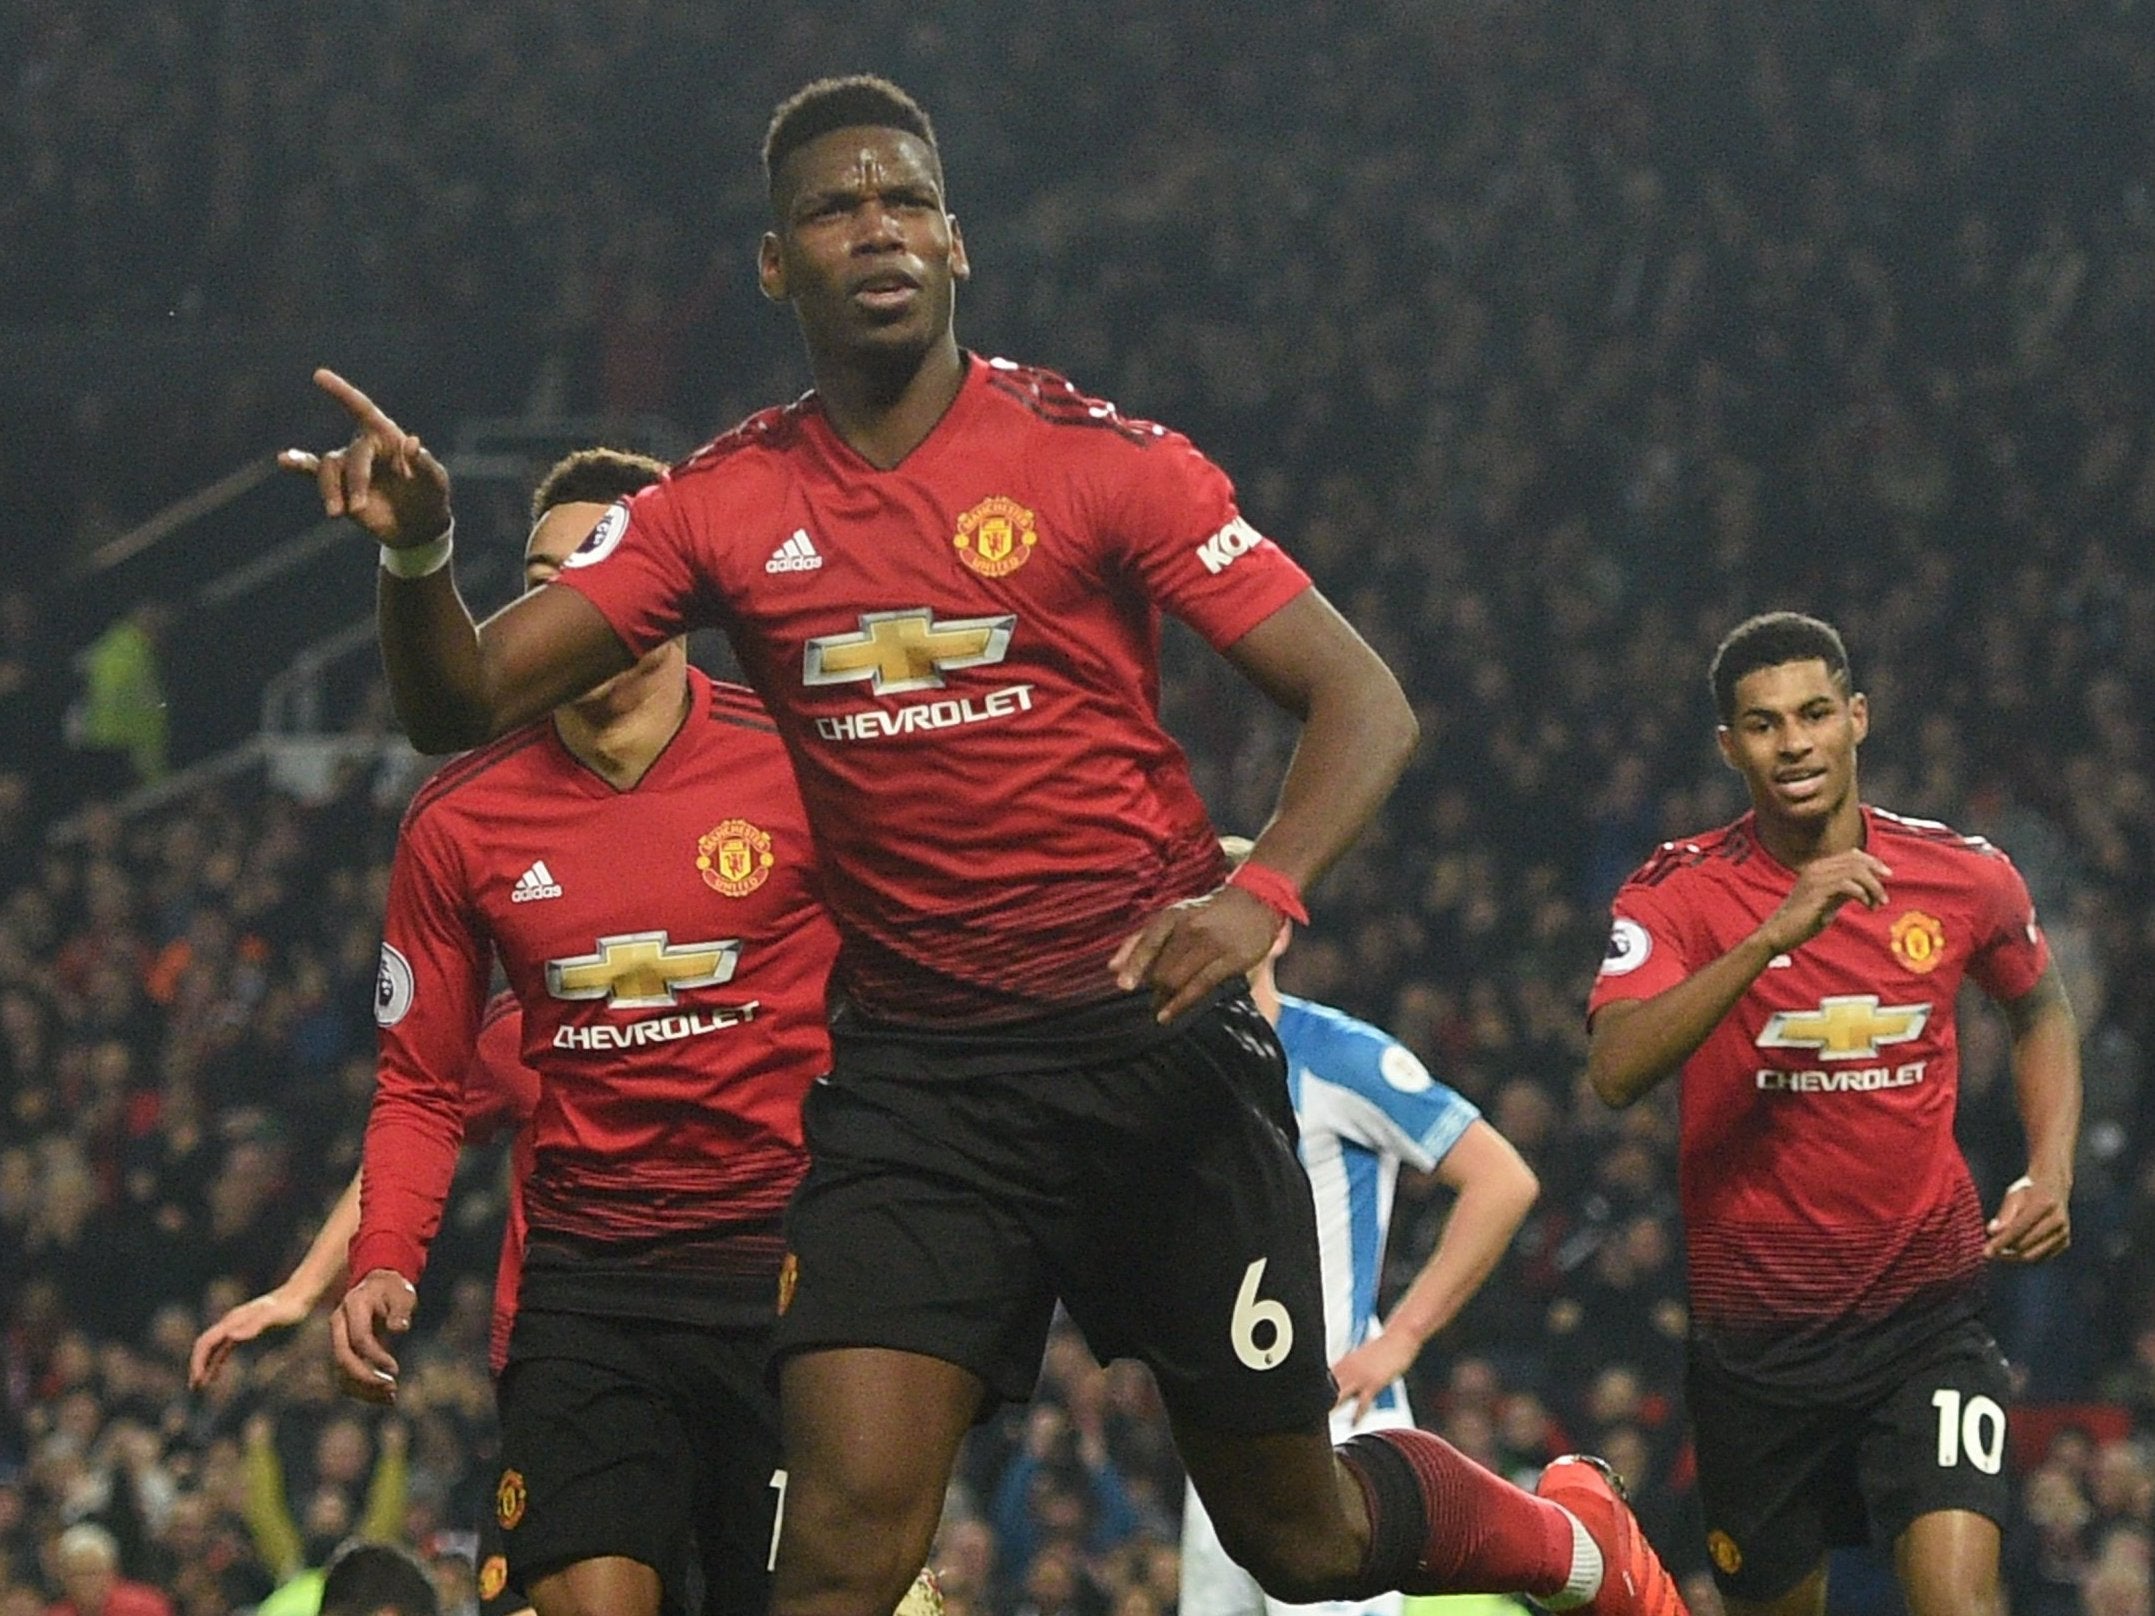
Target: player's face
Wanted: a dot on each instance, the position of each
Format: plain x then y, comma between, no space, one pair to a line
1794,740
863,248
558,531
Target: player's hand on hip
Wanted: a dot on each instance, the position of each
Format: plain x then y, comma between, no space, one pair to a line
379,1306
1363,1374
1190,948
1822,887
384,478
2032,1225
270,1311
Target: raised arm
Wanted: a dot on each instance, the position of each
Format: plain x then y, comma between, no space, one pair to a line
1357,734
2033,1220
1638,1042
455,683
293,1300
1495,1189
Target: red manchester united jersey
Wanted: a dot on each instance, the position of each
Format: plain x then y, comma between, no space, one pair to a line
500,1091
962,655
669,952
1829,1215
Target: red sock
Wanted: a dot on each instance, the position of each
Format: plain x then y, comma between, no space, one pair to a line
1441,1524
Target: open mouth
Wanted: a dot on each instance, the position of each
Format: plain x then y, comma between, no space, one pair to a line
886,292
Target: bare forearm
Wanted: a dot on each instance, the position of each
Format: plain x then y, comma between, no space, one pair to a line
1356,738
1637,1043
1482,1223
323,1265
430,647
2046,1081
456,684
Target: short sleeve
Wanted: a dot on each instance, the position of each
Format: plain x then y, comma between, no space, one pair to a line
638,567
1187,542
1381,1096
2013,953
1646,954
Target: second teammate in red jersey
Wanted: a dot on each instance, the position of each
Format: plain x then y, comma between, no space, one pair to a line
639,863
1801,968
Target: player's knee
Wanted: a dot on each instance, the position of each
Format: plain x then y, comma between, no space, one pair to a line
853,1552
1293,1565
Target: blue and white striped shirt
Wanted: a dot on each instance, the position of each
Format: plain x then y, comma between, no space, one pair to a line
1366,1107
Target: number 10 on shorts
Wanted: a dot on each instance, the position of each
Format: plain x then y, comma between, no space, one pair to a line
1262,1332
1976,1427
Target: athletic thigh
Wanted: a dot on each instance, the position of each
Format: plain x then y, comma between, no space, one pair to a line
1777,1484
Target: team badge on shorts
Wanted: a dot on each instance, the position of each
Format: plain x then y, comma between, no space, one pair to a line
996,537
510,1499
1918,941
789,1276
735,857
493,1577
1726,1555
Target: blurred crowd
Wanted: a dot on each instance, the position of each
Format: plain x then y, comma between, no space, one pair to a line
1554,341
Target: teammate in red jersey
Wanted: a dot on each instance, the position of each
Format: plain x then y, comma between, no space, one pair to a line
944,575
639,863
1800,967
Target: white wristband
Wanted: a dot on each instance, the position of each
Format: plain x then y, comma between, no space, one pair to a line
420,560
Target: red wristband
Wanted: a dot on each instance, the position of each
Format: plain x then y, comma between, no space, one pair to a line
1271,889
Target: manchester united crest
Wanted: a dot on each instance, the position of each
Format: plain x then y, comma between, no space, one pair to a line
996,537
509,1499
493,1577
735,857
1918,941
789,1276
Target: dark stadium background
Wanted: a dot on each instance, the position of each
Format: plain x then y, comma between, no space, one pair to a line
1552,338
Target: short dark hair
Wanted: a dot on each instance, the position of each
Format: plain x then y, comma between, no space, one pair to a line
1767,641
596,476
855,101
365,1578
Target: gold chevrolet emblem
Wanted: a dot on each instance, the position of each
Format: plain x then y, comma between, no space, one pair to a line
640,970
1848,1026
908,650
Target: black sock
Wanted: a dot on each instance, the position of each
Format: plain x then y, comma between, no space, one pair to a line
1397,1525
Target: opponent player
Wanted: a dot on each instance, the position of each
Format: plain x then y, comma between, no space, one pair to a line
640,864
1800,967
499,1091
1365,1107
943,574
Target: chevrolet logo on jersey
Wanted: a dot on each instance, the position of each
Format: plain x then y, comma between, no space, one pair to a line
908,650
640,970
1852,1026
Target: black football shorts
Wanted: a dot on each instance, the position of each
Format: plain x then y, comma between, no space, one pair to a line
647,1439
1781,1484
1156,1192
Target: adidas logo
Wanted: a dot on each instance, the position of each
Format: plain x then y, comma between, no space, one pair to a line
535,883
795,555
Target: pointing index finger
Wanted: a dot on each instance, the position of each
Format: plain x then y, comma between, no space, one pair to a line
361,408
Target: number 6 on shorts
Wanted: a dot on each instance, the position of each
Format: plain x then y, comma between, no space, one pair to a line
1253,1313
